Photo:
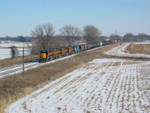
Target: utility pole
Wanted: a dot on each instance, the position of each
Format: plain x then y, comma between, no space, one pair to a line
115,32
23,62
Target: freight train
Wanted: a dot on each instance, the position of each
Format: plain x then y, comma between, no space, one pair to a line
54,53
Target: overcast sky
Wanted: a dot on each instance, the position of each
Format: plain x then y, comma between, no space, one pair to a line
19,17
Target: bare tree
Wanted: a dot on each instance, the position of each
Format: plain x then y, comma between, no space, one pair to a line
129,37
91,34
43,37
142,36
71,33
60,41
14,51
115,38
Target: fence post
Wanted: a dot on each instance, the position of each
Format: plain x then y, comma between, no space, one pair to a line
23,62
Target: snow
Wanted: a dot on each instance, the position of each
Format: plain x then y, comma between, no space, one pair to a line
5,50
120,51
5,53
17,44
101,86
142,42
16,69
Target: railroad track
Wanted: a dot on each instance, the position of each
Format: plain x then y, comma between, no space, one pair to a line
17,69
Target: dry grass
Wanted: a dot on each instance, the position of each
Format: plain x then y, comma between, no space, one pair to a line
17,86
139,48
17,60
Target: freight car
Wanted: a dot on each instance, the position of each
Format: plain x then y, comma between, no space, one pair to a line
106,43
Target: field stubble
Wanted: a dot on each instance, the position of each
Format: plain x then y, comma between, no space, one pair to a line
139,48
101,86
17,86
119,86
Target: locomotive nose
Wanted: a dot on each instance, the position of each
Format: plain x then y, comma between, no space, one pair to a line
43,55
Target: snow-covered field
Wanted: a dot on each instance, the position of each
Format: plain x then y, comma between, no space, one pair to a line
17,44
120,51
142,42
101,86
6,53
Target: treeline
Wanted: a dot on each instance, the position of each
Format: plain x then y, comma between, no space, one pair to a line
129,37
44,37
16,39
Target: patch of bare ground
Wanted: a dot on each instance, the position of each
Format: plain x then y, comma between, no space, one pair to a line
131,57
17,86
129,49
17,60
139,48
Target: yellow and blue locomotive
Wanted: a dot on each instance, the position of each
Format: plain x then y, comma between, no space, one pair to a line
54,53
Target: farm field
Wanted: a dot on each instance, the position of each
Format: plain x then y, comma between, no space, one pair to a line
143,47
96,83
101,86
5,44
134,50
5,50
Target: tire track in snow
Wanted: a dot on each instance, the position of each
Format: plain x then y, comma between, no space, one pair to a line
116,89
119,89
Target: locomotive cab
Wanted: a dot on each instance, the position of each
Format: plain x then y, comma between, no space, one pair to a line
43,55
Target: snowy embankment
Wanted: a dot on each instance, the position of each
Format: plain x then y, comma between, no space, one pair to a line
16,69
101,86
120,51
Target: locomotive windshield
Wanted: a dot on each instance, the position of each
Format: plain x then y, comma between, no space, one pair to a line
44,51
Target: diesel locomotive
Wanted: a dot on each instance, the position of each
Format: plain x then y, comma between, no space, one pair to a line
54,53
